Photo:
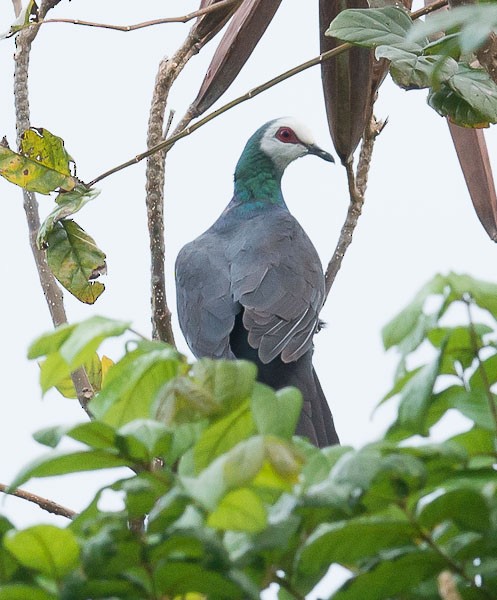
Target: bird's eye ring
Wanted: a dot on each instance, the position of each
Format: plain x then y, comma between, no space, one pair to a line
287,135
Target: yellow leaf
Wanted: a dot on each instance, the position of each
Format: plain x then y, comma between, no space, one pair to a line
41,166
106,365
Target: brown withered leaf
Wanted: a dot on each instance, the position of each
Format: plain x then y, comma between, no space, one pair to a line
242,36
347,83
208,25
472,153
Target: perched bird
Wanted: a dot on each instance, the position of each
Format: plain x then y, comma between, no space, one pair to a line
252,285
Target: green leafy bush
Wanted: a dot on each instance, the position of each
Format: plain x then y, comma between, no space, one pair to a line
233,501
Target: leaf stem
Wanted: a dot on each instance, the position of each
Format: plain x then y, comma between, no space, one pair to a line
44,503
452,565
284,583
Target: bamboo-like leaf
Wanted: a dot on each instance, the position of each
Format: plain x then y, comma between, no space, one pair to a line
75,260
208,25
347,83
242,35
473,157
472,152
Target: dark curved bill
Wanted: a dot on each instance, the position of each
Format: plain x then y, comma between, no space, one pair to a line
317,151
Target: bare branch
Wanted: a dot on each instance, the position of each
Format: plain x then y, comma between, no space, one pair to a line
169,69
183,19
53,294
357,189
44,503
167,144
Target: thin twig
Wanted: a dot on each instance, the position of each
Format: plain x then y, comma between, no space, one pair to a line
178,135
481,367
452,565
183,19
52,292
286,585
429,8
166,144
357,188
44,503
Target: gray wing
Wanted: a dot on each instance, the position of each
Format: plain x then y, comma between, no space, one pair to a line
276,274
206,310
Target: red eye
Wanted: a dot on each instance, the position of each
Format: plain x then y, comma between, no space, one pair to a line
287,136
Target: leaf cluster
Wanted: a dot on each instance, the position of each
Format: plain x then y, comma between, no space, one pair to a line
233,500
458,90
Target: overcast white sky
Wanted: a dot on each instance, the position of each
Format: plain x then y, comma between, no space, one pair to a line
93,88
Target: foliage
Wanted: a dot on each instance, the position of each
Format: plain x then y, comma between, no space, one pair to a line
465,94
233,501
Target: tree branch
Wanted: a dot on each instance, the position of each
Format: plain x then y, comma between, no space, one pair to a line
52,292
167,144
169,69
183,19
48,505
178,135
357,189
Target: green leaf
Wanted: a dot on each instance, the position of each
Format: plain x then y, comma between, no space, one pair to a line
74,462
144,439
141,493
448,103
94,434
413,71
45,548
477,89
383,580
477,22
41,166
178,578
23,591
132,383
51,341
68,203
399,328
476,441
75,260
87,336
46,148
223,435
276,413
373,27
416,396
473,404
347,542
483,293
463,506
239,510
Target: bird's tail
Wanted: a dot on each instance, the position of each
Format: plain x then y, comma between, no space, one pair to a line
316,420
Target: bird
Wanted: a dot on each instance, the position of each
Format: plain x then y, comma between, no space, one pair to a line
252,286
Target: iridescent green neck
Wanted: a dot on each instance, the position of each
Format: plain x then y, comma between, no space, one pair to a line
256,177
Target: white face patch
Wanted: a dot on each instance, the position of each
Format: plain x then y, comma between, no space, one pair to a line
283,153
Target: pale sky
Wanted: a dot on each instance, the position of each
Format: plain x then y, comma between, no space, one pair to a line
93,88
